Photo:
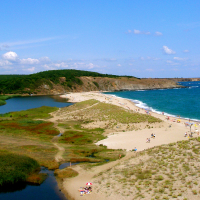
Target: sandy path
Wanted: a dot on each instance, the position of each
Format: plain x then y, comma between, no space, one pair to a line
58,156
87,176
61,150
168,132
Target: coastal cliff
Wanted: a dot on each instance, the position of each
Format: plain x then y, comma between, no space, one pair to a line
61,81
107,84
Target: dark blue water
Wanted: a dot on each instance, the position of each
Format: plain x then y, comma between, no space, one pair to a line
47,190
28,102
183,101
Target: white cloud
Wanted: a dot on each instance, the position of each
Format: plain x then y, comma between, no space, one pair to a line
167,50
141,32
119,65
180,59
29,61
32,69
45,59
64,65
158,33
11,56
4,63
186,51
137,32
48,67
91,66
25,42
172,63
110,59
149,58
142,58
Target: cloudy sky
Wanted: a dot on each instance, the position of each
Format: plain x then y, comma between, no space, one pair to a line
123,37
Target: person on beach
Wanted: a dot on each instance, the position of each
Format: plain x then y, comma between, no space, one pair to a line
147,140
135,149
154,135
185,134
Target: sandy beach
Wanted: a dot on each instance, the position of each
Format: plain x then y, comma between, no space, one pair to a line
166,132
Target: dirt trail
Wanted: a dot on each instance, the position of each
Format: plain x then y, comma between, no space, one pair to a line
61,150
56,116
58,156
84,176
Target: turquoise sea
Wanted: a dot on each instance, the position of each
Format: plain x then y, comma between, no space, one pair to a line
178,101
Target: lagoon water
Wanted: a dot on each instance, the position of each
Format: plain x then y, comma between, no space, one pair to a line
28,102
179,101
47,190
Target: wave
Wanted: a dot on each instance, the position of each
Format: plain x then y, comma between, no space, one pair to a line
143,105
193,86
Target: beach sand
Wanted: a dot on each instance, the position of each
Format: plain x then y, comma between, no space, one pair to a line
168,132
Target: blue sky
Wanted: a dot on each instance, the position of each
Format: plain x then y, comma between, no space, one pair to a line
123,37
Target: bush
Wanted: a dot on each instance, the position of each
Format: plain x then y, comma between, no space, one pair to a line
15,168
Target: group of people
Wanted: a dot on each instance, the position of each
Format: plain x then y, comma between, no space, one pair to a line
153,135
148,140
86,190
188,134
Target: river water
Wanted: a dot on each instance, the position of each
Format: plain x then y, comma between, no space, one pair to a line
49,188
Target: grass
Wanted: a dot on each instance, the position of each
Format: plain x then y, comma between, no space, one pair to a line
23,133
83,136
29,133
65,173
3,98
164,172
23,123
15,168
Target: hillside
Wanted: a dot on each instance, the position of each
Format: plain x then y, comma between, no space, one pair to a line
61,81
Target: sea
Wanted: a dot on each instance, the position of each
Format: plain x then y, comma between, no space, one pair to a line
183,102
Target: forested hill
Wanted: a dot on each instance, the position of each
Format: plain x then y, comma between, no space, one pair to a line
60,81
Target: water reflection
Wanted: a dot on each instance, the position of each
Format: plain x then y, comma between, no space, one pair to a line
47,190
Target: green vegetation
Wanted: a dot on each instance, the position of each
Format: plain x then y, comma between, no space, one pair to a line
65,173
3,98
29,133
25,133
84,136
163,172
35,113
80,124
15,168
23,84
23,124
96,84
